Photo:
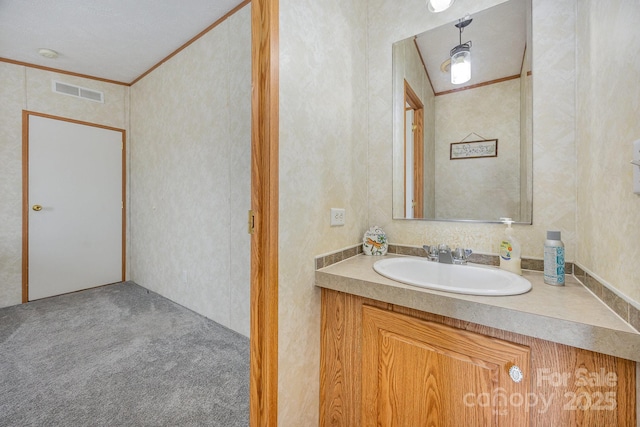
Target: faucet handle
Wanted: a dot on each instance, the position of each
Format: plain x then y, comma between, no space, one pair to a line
432,252
461,255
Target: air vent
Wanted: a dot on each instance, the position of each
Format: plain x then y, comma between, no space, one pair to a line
77,91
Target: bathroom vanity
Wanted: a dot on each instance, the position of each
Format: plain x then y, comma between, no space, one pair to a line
398,355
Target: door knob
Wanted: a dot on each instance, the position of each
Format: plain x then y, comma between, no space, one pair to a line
516,374
37,208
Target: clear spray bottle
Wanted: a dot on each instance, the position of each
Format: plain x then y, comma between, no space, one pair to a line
553,259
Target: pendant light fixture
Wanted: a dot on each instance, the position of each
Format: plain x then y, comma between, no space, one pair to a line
436,6
461,56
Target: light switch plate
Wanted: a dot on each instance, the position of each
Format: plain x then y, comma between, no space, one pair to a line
337,216
636,168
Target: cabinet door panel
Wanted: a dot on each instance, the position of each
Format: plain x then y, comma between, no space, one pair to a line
419,373
415,385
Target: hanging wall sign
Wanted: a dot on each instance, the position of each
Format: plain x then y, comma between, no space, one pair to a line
473,149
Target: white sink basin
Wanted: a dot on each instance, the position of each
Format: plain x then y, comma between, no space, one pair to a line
461,279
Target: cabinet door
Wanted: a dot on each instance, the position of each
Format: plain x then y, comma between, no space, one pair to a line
419,373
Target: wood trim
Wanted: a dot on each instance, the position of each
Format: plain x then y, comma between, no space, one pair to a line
264,202
25,191
66,119
190,42
59,71
524,56
426,72
490,82
411,98
25,206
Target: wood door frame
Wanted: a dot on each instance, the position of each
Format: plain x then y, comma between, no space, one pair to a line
415,104
25,192
263,400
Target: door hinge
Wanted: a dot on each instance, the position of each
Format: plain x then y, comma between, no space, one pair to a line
252,222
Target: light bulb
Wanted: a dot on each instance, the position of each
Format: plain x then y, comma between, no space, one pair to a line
461,65
436,6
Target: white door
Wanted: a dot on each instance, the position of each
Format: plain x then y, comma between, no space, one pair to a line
75,206
408,162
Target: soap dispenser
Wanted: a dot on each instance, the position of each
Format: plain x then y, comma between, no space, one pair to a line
510,250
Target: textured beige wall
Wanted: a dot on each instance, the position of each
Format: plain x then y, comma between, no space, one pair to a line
553,123
190,175
13,101
30,89
608,104
323,164
486,188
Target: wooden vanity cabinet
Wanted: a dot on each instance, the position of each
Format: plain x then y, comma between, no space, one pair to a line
420,373
385,365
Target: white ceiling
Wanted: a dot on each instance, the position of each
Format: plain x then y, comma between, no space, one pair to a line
498,38
112,39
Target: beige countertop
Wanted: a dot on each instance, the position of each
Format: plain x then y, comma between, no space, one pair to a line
568,314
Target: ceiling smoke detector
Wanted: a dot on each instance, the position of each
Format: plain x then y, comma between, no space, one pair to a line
48,53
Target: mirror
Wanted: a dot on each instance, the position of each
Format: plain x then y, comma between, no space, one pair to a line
464,152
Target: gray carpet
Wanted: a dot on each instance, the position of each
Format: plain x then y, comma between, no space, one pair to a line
119,355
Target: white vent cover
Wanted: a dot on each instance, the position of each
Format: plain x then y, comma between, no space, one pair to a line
77,91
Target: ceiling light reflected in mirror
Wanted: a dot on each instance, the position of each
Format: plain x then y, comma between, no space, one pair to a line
436,6
461,56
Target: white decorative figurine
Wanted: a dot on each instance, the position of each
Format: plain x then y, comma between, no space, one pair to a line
374,241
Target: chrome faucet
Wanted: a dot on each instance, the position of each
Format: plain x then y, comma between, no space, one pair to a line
443,253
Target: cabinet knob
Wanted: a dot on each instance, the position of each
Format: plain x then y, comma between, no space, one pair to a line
516,374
